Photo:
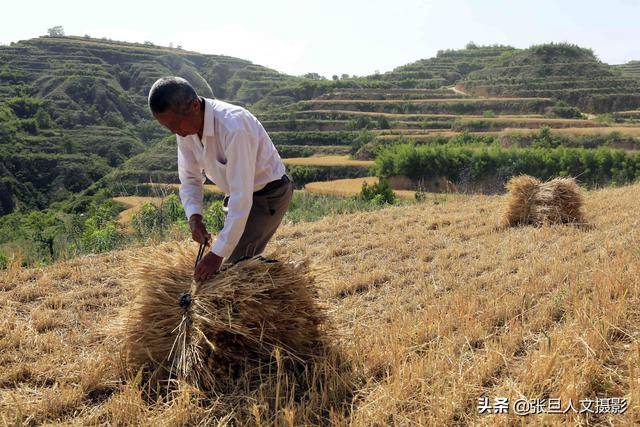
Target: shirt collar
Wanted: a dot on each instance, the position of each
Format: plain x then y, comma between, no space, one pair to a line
207,128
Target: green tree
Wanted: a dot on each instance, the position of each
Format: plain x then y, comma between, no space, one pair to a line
24,107
43,119
42,228
544,139
56,31
314,76
100,232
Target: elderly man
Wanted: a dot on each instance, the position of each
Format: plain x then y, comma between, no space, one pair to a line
232,148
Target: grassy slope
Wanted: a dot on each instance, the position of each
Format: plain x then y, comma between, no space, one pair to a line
435,304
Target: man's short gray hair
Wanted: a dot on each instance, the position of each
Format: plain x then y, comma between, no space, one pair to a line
171,93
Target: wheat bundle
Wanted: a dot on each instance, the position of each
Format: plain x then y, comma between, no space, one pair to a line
204,333
557,201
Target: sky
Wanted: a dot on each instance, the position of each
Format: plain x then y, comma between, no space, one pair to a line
336,36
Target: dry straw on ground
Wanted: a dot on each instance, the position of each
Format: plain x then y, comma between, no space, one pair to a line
207,333
558,201
430,320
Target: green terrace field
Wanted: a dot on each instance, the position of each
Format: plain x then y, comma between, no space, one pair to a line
59,62
627,138
561,71
328,120
387,94
434,106
449,65
631,69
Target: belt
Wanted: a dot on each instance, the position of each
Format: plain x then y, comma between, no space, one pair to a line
264,190
272,185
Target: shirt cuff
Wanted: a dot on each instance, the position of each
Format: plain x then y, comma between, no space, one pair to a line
222,249
191,209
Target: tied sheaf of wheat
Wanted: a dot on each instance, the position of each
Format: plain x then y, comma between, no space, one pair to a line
204,333
558,201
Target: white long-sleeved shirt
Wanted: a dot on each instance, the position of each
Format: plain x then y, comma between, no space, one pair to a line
236,154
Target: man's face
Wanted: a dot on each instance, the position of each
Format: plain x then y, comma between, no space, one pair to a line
181,124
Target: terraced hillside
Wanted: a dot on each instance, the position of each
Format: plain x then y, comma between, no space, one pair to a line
486,117
72,108
53,89
447,67
56,91
631,68
436,308
562,71
493,147
72,70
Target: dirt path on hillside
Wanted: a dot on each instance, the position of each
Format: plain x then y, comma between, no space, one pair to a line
458,91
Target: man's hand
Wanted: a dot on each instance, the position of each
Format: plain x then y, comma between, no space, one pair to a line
198,230
207,267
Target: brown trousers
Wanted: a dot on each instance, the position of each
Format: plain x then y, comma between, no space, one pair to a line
264,219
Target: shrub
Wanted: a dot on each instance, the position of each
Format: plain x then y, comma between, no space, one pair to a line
24,107
147,221
28,125
172,209
379,192
4,260
43,119
605,119
544,139
420,196
99,231
214,217
101,239
363,138
383,123
361,122
594,166
563,110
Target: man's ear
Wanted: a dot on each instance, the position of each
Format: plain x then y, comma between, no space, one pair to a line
195,105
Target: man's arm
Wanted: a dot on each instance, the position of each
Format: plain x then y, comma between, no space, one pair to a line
241,153
191,190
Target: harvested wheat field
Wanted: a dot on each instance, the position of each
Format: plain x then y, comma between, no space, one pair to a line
350,187
435,307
